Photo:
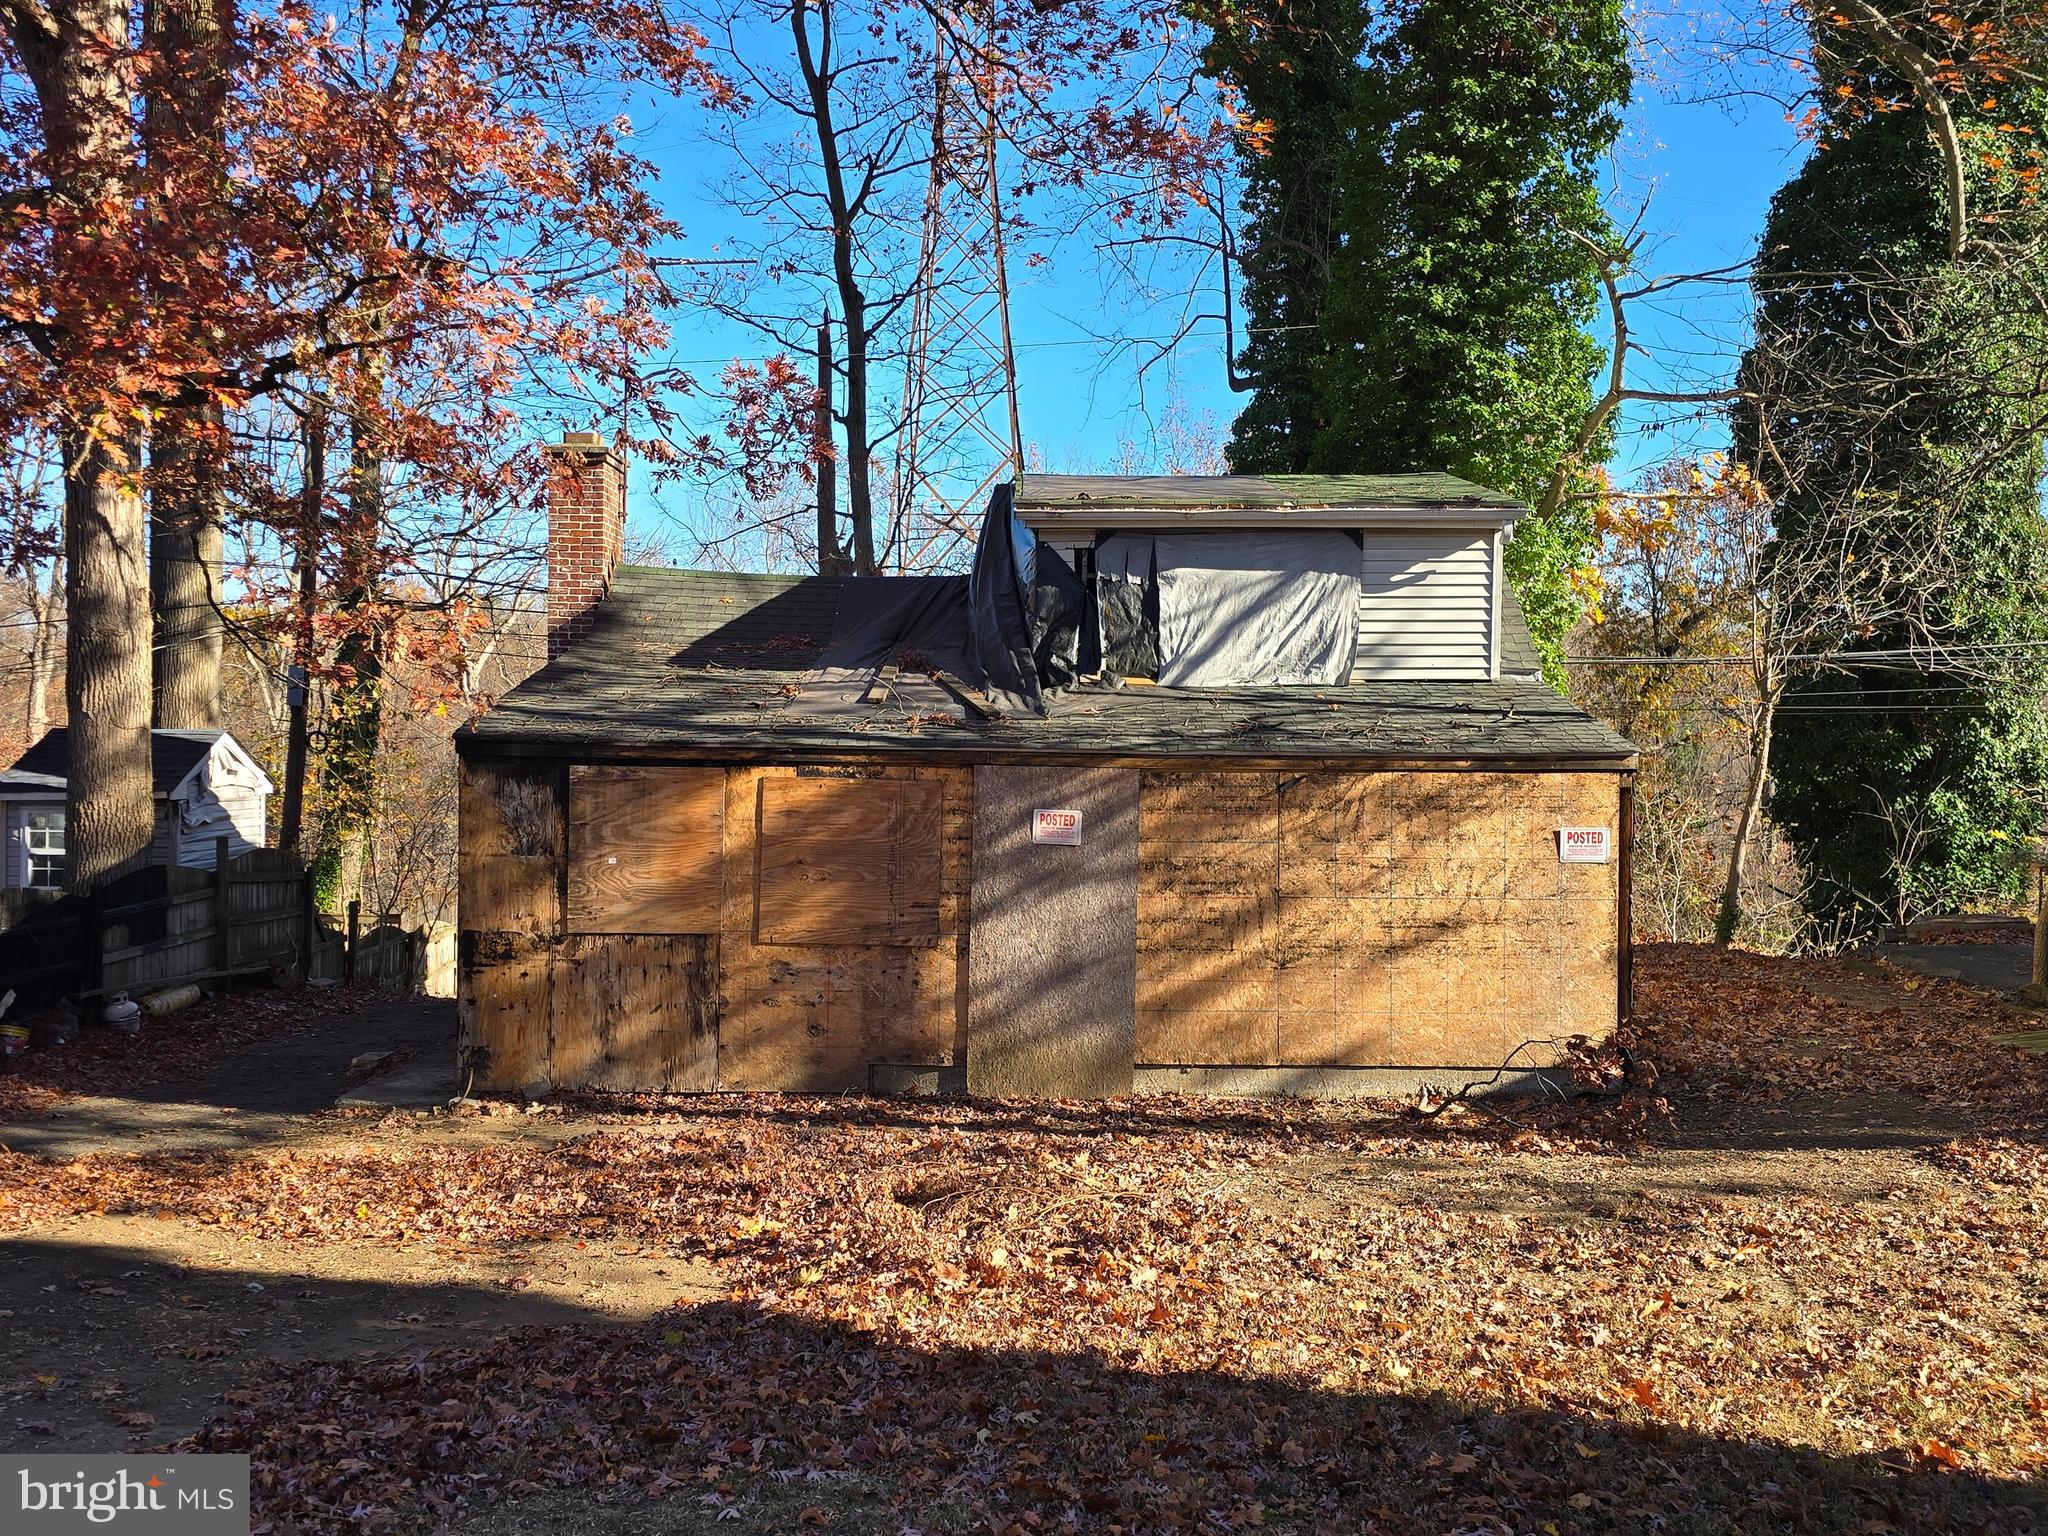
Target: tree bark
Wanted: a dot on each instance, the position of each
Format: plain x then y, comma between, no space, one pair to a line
356,719
1730,916
184,137
75,54
111,809
312,498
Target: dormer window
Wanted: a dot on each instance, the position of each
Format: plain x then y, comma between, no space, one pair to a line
1241,580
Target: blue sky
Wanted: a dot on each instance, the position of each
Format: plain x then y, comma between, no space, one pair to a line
1706,170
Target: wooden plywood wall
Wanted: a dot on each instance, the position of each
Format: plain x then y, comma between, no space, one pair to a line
548,851
848,861
806,1009
510,910
645,848
1371,919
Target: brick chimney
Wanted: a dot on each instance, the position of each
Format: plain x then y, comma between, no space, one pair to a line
586,531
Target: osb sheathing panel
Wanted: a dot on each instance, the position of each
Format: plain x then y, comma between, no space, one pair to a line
813,1018
509,825
1371,919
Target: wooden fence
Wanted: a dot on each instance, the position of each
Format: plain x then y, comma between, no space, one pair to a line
164,925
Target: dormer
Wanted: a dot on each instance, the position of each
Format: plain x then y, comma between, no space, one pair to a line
1432,604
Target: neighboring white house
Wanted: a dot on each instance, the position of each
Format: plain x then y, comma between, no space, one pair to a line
207,787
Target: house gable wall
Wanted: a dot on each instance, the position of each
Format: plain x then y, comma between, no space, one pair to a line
1427,606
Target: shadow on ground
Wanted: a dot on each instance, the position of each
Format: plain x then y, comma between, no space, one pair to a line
750,1420
257,1095
120,1319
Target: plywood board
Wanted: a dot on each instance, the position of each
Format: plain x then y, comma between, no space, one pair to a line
848,861
645,849
815,1018
1209,873
510,831
1472,940
503,1004
636,1013
1172,1035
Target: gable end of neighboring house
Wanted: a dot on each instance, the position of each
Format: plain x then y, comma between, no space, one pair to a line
206,786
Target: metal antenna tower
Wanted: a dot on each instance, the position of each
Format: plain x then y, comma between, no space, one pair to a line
960,432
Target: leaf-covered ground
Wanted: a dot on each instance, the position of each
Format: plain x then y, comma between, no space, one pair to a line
102,1061
1808,1296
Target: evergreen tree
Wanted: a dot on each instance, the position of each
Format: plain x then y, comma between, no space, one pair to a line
1295,73
1878,415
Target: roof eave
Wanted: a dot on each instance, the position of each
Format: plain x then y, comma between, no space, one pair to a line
980,748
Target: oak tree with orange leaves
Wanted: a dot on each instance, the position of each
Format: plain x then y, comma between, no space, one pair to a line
423,221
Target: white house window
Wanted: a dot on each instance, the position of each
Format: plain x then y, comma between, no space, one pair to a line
42,846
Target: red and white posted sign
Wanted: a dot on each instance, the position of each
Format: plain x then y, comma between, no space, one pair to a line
1061,827
1582,845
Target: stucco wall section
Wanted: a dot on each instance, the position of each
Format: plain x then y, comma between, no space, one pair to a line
1052,962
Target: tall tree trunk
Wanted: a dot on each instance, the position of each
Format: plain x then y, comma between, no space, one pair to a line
312,499
356,715
111,811
75,54
860,504
817,70
46,604
354,728
184,136
1730,916
185,561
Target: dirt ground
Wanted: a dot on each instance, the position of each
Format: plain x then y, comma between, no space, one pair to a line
1795,1283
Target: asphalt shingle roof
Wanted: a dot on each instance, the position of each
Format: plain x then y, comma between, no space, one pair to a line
710,663
1172,492
47,764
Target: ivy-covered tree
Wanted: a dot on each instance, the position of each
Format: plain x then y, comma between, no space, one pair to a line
1894,393
1294,73
1441,224
1474,240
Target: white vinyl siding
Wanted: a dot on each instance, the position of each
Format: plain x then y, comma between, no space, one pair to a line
235,812
1426,606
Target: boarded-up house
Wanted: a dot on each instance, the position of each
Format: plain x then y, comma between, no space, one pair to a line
1221,784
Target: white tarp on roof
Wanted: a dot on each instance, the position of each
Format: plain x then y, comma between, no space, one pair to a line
1262,606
